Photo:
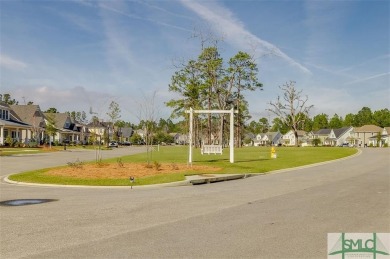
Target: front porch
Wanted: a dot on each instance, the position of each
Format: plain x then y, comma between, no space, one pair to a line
13,131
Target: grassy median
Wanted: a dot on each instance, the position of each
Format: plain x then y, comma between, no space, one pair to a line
168,164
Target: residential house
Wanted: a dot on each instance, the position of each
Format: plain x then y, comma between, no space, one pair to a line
32,115
98,130
179,139
66,129
363,134
141,133
269,138
124,134
257,140
289,139
83,130
384,138
11,125
249,139
334,137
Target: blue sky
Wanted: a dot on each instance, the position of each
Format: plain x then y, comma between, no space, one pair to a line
73,55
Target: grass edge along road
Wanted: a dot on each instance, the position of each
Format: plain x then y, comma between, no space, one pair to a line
251,160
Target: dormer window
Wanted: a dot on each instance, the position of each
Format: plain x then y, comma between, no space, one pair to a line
4,114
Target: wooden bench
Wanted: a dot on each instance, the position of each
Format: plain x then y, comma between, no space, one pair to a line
211,149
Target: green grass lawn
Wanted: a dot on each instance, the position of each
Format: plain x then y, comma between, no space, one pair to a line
20,151
247,160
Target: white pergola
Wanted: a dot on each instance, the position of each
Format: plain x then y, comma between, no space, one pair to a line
231,137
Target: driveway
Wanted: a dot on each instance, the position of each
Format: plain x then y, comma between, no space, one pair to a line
284,215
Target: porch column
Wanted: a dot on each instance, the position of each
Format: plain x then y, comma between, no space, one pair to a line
2,135
18,134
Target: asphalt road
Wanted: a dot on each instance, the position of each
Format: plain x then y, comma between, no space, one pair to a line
284,215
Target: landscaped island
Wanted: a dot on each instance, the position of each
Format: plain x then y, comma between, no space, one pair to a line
169,165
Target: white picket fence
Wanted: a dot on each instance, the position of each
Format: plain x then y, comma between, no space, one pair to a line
211,149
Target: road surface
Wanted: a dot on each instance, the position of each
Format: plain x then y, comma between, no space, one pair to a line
283,215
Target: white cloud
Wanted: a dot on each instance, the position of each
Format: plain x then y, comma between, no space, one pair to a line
224,21
11,63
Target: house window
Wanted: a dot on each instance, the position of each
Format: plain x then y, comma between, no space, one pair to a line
4,114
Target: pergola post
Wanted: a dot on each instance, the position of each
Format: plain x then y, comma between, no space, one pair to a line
190,138
231,137
231,142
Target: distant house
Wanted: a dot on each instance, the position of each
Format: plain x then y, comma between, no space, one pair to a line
11,125
83,130
334,137
179,139
384,138
288,139
32,115
363,134
141,133
249,139
98,130
66,129
125,133
269,138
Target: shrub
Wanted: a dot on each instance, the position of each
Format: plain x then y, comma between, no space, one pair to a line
316,142
157,165
100,163
119,162
174,167
8,140
76,164
33,144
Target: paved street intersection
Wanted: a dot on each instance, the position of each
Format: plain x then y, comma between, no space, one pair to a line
282,215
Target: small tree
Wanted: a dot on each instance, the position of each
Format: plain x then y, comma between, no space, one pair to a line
378,139
292,109
114,114
147,112
51,129
316,142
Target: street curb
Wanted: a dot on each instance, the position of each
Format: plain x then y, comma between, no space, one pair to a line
314,165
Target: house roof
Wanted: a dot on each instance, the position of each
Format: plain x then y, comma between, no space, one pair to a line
273,134
13,114
59,119
98,124
323,132
368,128
28,113
14,123
126,131
339,132
301,132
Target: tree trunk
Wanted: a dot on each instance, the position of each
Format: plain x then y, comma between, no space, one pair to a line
209,119
296,138
238,129
222,120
